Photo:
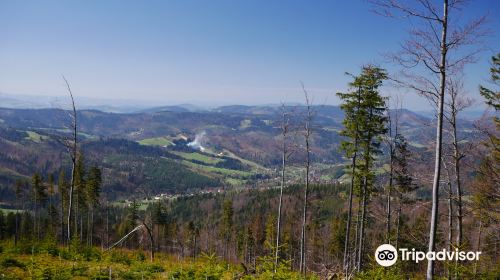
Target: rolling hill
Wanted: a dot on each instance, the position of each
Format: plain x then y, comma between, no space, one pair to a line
150,152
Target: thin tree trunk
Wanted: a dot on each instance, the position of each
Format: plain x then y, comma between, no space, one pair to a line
450,222
76,213
303,247
194,249
398,224
388,219
278,223
91,229
349,213
304,219
35,220
478,246
151,242
391,177
456,158
439,139
62,215
107,225
17,226
356,234
73,155
70,202
362,227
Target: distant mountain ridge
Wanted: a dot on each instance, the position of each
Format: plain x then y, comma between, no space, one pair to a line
149,150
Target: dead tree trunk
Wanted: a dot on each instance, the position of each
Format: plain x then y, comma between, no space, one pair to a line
284,131
151,241
398,223
307,136
73,146
478,245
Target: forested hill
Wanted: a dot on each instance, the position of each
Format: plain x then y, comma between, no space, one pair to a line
146,153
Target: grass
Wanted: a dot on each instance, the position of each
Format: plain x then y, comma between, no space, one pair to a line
7,211
156,141
120,264
35,137
417,145
67,130
198,157
49,261
255,166
235,182
213,169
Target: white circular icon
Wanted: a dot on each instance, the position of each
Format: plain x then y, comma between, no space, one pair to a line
386,255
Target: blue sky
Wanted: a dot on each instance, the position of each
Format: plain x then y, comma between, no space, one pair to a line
202,52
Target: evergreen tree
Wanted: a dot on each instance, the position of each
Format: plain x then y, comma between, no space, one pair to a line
351,105
402,178
372,127
79,197
39,196
227,225
93,190
63,189
364,125
19,194
51,210
493,96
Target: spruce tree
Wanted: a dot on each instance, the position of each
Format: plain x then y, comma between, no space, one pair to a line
364,125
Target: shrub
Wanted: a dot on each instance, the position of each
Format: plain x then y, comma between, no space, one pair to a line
10,262
119,257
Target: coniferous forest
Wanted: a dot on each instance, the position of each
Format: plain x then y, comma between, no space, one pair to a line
297,190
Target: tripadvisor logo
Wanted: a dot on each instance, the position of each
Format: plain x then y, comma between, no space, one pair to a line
387,255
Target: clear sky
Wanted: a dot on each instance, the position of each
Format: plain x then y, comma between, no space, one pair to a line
203,52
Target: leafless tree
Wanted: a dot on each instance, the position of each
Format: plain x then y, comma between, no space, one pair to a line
457,103
71,145
307,137
436,56
285,153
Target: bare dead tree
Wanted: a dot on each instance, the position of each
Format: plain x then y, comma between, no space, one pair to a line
285,153
457,103
151,240
436,56
72,148
307,137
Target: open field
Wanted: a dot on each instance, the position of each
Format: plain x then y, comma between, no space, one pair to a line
156,141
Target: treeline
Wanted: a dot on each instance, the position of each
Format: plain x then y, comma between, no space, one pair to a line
41,207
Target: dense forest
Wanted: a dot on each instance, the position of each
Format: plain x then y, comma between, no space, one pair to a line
291,192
